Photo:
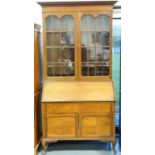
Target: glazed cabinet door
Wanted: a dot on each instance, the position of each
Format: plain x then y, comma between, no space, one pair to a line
95,44
95,126
61,126
60,45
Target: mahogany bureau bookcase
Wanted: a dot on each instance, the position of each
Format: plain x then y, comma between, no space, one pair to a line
78,93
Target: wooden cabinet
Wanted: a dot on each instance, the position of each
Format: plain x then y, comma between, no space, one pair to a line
78,95
95,125
36,84
79,120
61,126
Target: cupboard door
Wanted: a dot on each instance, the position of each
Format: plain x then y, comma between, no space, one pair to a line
95,44
95,125
61,126
60,44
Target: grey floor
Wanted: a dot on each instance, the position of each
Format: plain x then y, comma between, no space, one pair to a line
82,148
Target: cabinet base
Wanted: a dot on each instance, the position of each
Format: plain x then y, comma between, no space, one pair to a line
46,141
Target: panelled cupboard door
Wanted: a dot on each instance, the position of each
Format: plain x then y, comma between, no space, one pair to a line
95,40
61,126
95,125
60,45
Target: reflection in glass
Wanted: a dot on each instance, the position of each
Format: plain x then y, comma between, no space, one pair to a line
95,45
84,23
53,39
99,70
67,23
102,23
91,23
66,70
99,54
106,55
67,54
92,70
67,38
85,71
84,39
91,39
64,38
53,23
84,55
102,38
71,38
60,46
106,23
91,54
106,38
99,38
53,55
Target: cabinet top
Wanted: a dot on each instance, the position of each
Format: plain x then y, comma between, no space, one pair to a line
98,2
77,91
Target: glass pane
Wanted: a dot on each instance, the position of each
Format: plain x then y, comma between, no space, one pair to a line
99,70
66,69
53,39
106,39
91,23
53,55
106,56
106,23
99,39
84,55
105,70
91,39
92,69
99,54
60,46
84,23
70,38
95,50
57,69
102,23
91,52
99,23
67,38
50,71
67,54
67,23
64,38
52,23
84,39
84,70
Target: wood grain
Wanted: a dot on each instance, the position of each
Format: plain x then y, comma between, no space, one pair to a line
78,107
36,82
77,91
61,126
95,126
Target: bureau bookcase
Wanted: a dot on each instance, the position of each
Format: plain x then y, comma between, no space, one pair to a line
78,94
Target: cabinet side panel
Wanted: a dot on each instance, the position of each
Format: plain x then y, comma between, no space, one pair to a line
43,106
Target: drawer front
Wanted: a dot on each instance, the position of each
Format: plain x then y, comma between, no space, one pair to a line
62,108
82,107
95,107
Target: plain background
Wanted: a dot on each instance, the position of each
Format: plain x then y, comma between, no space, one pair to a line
137,79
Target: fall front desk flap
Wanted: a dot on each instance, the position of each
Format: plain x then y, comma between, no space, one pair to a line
77,91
